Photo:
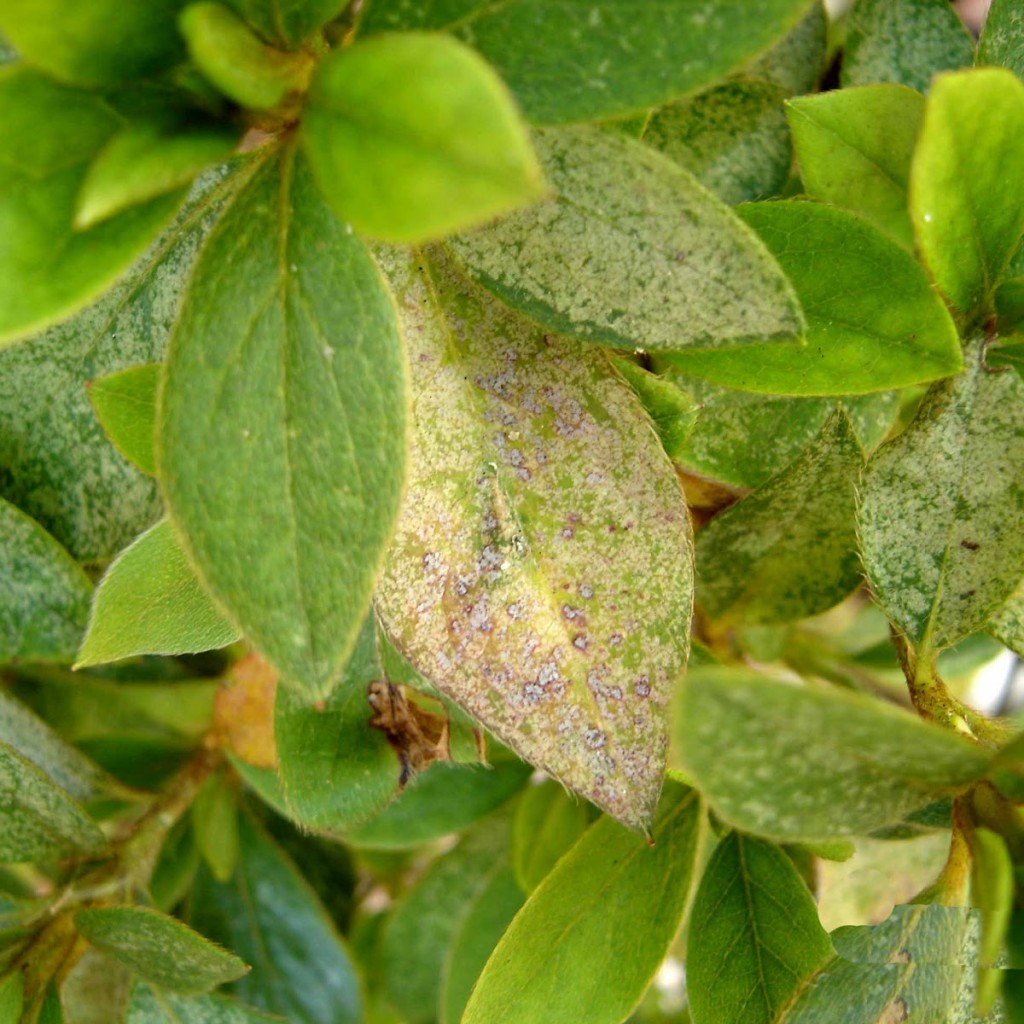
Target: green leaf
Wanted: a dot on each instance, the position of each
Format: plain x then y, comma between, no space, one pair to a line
96,990
243,68
148,158
798,60
417,936
992,889
125,404
55,461
1007,623
11,994
158,948
483,923
632,252
413,136
268,913
287,22
903,41
873,321
967,226
541,572
44,595
151,1006
719,445
285,391
441,800
732,138
47,269
798,764
568,63
673,411
335,769
789,550
215,823
548,822
855,148
593,963
754,935
937,509
150,602
1002,37
101,42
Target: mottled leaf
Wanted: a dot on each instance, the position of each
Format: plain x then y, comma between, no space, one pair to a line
44,595
732,138
789,549
413,136
301,968
968,224
152,1006
903,41
159,948
937,508
1002,37
282,424
1007,622
580,62
547,823
873,320
96,990
798,59
855,148
541,572
633,252
802,764
125,403
575,951
754,935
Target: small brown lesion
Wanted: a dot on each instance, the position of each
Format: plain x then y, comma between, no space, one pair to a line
419,737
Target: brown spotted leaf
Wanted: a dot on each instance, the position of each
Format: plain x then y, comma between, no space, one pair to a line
541,575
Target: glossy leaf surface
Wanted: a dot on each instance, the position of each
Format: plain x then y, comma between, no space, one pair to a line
547,823
125,403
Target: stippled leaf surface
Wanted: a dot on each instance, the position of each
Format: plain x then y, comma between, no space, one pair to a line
1002,37
1007,622
719,445
797,60
967,223
789,549
938,505
754,934
335,769
281,442
55,461
632,252
541,574
150,602
44,594
38,819
855,148
732,137
547,823
592,962
412,136
153,1006
125,403
47,269
874,321
287,21
301,968
805,765
582,61
903,41
909,967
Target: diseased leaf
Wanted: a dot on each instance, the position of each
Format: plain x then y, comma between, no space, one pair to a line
335,769
548,822
732,137
150,602
287,22
873,320
541,571
55,461
413,136
96,990
1002,37
301,969
968,225
591,961
937,526
1009,352
151,1006
1007,622
582,62
631,252
44,594
47,269
789,550
101,42
673,411
801,764
285,393
798,59
754,935
855,148
125,403
158,948
903,41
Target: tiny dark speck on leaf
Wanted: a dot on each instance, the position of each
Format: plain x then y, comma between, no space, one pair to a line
971,545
